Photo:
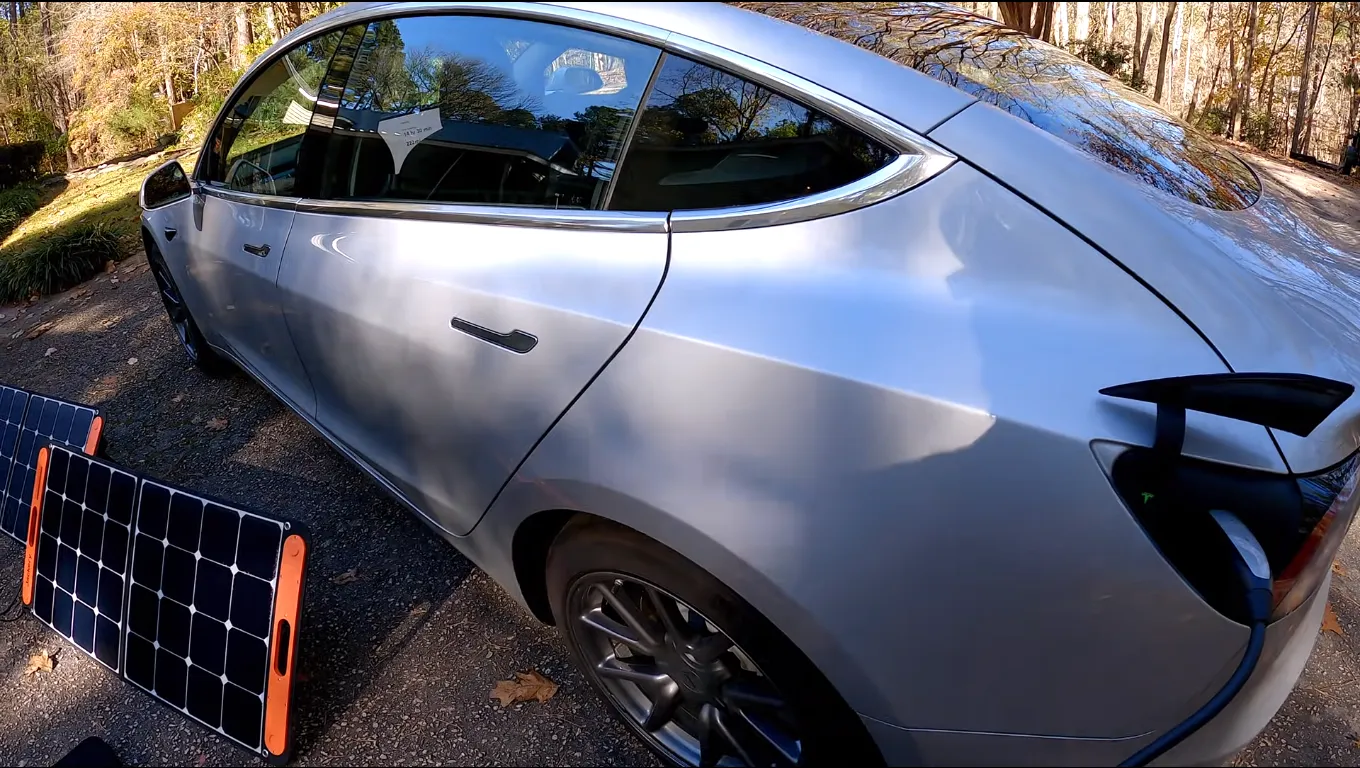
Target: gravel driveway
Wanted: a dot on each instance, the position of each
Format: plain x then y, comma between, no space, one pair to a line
398,663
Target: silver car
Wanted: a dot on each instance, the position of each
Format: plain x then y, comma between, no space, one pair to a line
847,383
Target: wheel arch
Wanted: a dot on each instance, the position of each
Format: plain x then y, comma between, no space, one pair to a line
530,516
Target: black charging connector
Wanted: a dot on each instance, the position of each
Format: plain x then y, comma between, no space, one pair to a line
1253,569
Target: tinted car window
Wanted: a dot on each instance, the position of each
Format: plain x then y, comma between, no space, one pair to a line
256,147
1042,84
495,111
708,139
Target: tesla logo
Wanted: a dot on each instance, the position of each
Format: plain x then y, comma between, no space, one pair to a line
1146,497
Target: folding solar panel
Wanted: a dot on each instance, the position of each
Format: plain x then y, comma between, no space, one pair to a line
45,419
13,403
191,599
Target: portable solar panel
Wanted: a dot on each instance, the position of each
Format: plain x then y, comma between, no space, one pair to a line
45,419
13,403
208,595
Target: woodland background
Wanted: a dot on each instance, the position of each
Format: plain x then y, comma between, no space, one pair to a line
94,81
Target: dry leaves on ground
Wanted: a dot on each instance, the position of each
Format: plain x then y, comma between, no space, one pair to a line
178,398
132,361
1330,622
39,330
1338,568
50,351
39,662
216,424
348,577
526,686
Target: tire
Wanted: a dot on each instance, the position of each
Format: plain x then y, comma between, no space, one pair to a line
191,340
597,563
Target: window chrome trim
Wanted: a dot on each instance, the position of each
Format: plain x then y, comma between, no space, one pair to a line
264,201
501,215
903,173
919,159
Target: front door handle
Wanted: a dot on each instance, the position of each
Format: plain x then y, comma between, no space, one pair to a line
516,341
258,250
170,233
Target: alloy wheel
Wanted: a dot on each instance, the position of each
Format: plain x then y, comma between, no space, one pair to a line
178,312
679,679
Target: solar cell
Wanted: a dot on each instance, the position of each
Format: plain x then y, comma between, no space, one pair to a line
13,403
80,547
45,420
207,595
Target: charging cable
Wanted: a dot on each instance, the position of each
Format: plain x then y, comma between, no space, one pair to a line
1253,568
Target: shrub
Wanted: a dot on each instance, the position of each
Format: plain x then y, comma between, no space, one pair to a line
15,206
58,262
19,162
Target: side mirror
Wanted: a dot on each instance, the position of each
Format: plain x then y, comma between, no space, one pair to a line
167,184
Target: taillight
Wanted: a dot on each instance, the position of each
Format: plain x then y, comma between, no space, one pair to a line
1300,521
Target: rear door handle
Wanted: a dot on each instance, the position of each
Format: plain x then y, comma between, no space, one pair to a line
258,250
170,233
516,341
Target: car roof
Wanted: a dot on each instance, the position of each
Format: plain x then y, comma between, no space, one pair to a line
900,93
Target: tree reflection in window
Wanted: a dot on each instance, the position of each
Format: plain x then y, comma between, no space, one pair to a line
1041,84
709,139
513,130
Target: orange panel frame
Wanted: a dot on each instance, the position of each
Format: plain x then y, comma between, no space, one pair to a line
287,610
34,518
96,431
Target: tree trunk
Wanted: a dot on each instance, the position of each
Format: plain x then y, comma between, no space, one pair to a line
14,27
1180,55
1244,83
1203,65
271,22
294,15
61,106
1110,9
1137,35
1162,57
1235,100
245,35
1060,32
1300,116
1083,21
1317,91
1033,19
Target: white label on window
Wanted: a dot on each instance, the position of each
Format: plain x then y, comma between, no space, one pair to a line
403,133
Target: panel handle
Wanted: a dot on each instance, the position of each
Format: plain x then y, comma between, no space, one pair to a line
516,341
257,250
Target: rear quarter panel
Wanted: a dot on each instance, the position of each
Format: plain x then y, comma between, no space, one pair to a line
875,427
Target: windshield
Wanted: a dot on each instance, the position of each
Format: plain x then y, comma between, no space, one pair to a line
1041,84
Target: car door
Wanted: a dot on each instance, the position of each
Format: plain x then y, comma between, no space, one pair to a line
455,284
243,210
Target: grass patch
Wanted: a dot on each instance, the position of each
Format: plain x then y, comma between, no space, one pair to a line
58,262
16,203
79,224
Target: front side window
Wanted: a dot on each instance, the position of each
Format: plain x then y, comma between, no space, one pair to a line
708,139
1041,84
255,149
495,111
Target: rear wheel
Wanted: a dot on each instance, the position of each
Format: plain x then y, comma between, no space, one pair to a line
190,338
686,664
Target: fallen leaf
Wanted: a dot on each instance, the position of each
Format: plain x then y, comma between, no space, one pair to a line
420,609
16,334
178,398
50,351
39,662
348,577
1329,621
39,330
132,361
526,686
110,265
1338,568
216,424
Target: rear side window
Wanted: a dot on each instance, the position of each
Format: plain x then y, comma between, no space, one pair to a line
708,139
256,147
1043,85
495,111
